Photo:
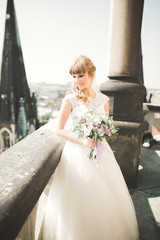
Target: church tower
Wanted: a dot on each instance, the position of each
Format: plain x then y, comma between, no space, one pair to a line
14,86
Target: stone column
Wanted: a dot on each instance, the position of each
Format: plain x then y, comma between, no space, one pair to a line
123,88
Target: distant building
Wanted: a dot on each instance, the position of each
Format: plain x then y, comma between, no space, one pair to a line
49,99
18,112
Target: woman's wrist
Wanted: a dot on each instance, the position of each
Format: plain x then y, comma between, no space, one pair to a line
81,141
88,142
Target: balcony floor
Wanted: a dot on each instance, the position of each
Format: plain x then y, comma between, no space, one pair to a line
146,197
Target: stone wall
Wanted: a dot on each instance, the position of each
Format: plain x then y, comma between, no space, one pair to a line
25,170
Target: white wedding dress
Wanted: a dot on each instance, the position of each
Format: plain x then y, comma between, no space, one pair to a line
88,200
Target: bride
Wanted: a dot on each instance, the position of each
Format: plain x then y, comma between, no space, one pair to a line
87,201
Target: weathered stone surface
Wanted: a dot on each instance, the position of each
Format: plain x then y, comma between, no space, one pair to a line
25,170
126,148
126,99
124,41
123,88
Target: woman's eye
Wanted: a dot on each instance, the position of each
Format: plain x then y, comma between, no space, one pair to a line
74,76
81,76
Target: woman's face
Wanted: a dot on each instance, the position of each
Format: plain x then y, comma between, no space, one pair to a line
82,80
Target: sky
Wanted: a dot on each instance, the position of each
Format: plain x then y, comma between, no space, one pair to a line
54,32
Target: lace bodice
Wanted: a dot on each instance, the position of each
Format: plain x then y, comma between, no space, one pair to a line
78,107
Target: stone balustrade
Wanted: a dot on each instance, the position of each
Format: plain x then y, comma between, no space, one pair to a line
25,170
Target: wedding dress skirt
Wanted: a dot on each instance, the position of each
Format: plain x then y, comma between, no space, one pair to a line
89,200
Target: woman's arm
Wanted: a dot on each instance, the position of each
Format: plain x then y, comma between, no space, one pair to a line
106,108
65,111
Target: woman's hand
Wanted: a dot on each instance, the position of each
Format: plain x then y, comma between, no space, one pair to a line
91,143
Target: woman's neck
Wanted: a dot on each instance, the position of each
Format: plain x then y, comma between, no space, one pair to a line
89,92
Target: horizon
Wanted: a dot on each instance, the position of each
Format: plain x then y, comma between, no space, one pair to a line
70,82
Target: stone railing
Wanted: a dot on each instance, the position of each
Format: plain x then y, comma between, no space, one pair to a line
152,115
25,170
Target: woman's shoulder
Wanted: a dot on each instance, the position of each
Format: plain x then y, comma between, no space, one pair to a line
70,96
102,97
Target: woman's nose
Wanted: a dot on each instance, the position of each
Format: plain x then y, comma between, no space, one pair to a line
77,78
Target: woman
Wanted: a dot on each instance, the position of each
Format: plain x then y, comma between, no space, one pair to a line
86,201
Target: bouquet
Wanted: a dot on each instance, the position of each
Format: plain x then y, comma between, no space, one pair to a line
95,126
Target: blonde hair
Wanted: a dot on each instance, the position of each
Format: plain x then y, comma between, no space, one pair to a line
82,65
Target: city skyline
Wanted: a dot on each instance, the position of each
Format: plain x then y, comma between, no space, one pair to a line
53,33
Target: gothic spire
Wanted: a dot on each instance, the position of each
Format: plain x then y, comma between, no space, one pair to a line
13,76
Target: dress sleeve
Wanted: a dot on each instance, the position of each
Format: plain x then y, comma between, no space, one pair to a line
103,97
69,97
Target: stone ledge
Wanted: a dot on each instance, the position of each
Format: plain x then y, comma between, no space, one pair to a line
25,170
117,86
151,107
131,127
